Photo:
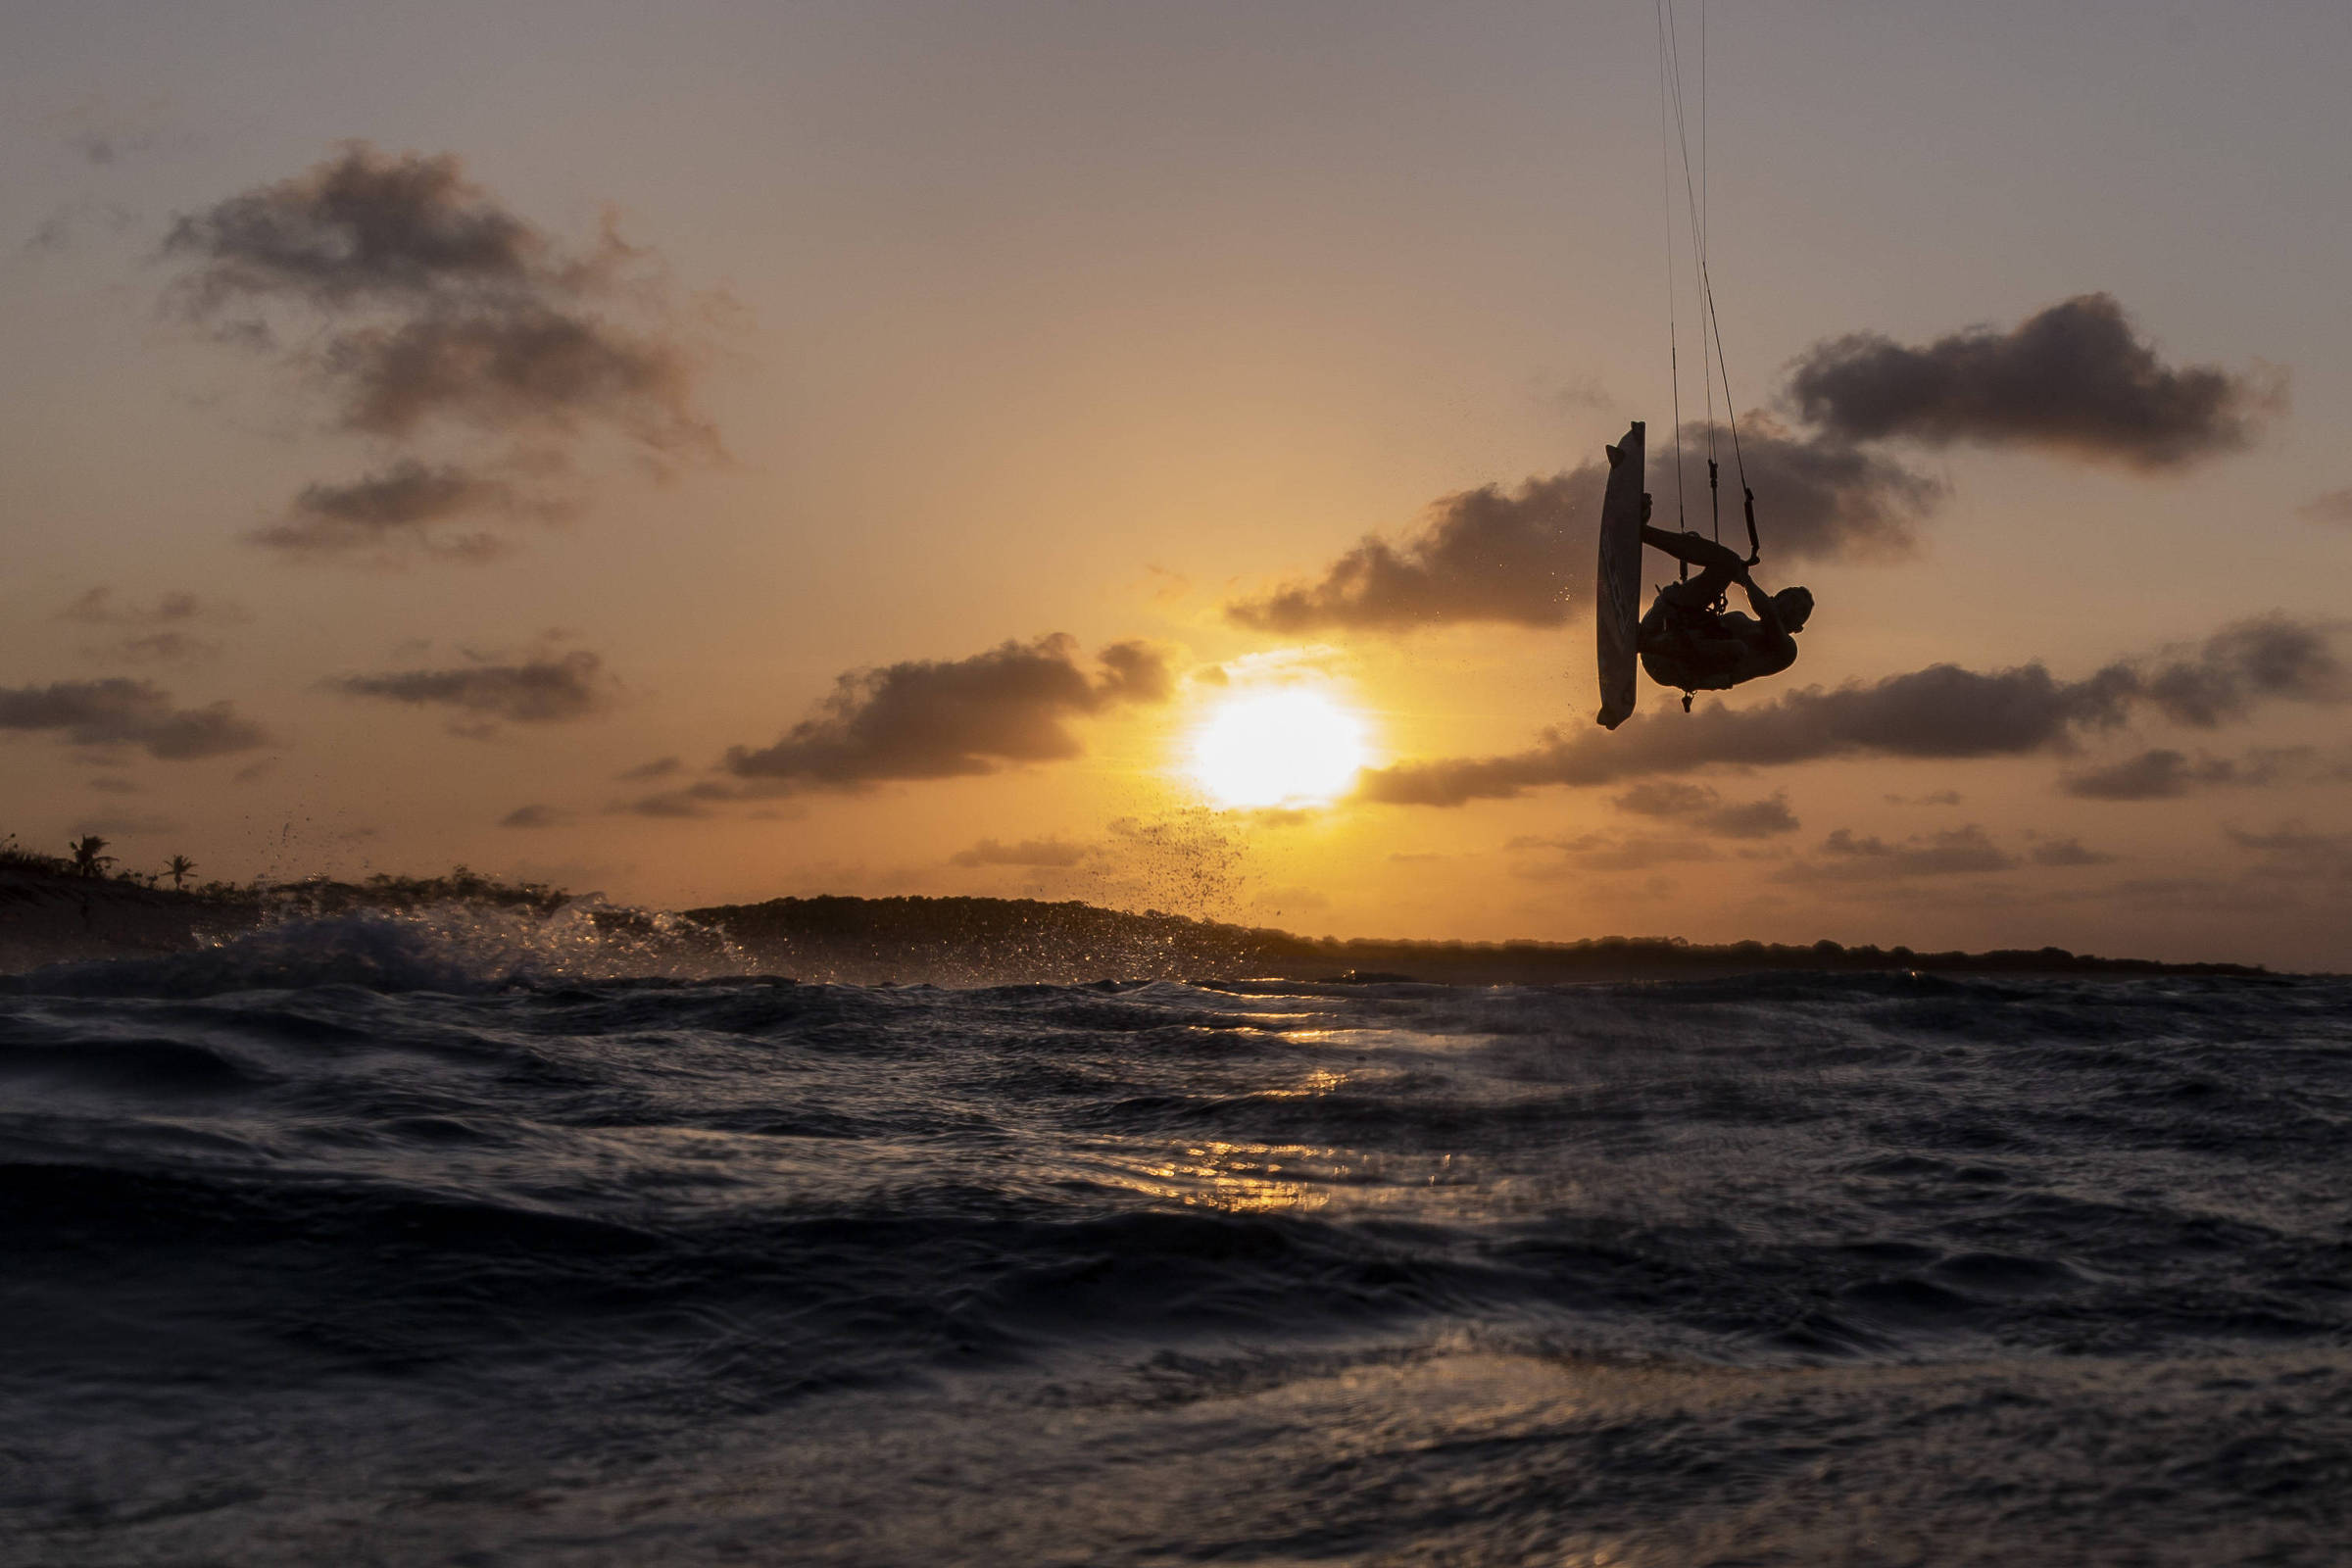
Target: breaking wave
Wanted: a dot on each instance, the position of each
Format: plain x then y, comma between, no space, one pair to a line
454,946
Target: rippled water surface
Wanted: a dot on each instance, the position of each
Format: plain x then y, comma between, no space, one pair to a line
351,1246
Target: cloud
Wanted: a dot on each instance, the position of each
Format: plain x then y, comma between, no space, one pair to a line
2068,851
158,632
359,226
1959,850
658,767
1524,559
522,365
923,719
1931,798
423,305
2152,775
396,510
1483,556
1047,851
2074,378
121,712
2161,773
2334,507
1703,809
1817,498
2244,663
1754,819
1605,851
535,816
548,689
1943,711
693,801
2294,852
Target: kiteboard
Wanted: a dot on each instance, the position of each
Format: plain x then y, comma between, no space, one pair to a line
1617,594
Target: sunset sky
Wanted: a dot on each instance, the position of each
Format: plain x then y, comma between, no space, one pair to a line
716,450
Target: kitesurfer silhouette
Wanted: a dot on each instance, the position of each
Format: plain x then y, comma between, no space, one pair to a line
1689,641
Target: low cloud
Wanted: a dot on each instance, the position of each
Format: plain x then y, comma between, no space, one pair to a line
424,308
549,689
166,630
658,767
398,512
2159,774
2245,663
1943,711
1047,852
1482,555
2068,851
132,712
1607,852
1843,857
1703,809
2292,851
1524,558
925,719
2074,377
536,816
693,801
2163,774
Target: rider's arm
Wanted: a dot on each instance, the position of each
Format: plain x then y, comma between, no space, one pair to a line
1761,602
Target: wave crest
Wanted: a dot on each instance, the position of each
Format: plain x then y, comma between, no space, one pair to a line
457,947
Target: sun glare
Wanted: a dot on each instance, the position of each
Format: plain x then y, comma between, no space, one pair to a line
1288,747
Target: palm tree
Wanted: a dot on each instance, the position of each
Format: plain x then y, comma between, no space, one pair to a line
177,870
88,861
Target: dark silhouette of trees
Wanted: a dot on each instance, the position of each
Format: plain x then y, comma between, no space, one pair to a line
89,859
177,870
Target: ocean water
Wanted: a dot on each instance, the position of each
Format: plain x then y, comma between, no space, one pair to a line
460,1238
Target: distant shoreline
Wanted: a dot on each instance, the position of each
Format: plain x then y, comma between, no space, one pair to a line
46,918
868,941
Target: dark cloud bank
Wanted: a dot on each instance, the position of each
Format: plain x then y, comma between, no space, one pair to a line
1941,711
1521,559
923,719
2074,378
130,712
428,308
927,719
551,689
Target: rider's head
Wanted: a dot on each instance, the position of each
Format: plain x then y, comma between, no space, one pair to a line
1794,606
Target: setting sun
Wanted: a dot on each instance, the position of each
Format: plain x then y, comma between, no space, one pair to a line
1290,746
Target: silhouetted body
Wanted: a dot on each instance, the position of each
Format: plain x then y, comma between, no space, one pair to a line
1686,643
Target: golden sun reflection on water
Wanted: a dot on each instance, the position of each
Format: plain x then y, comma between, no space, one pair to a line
1244,1178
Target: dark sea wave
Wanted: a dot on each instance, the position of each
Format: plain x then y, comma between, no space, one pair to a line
466,1237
